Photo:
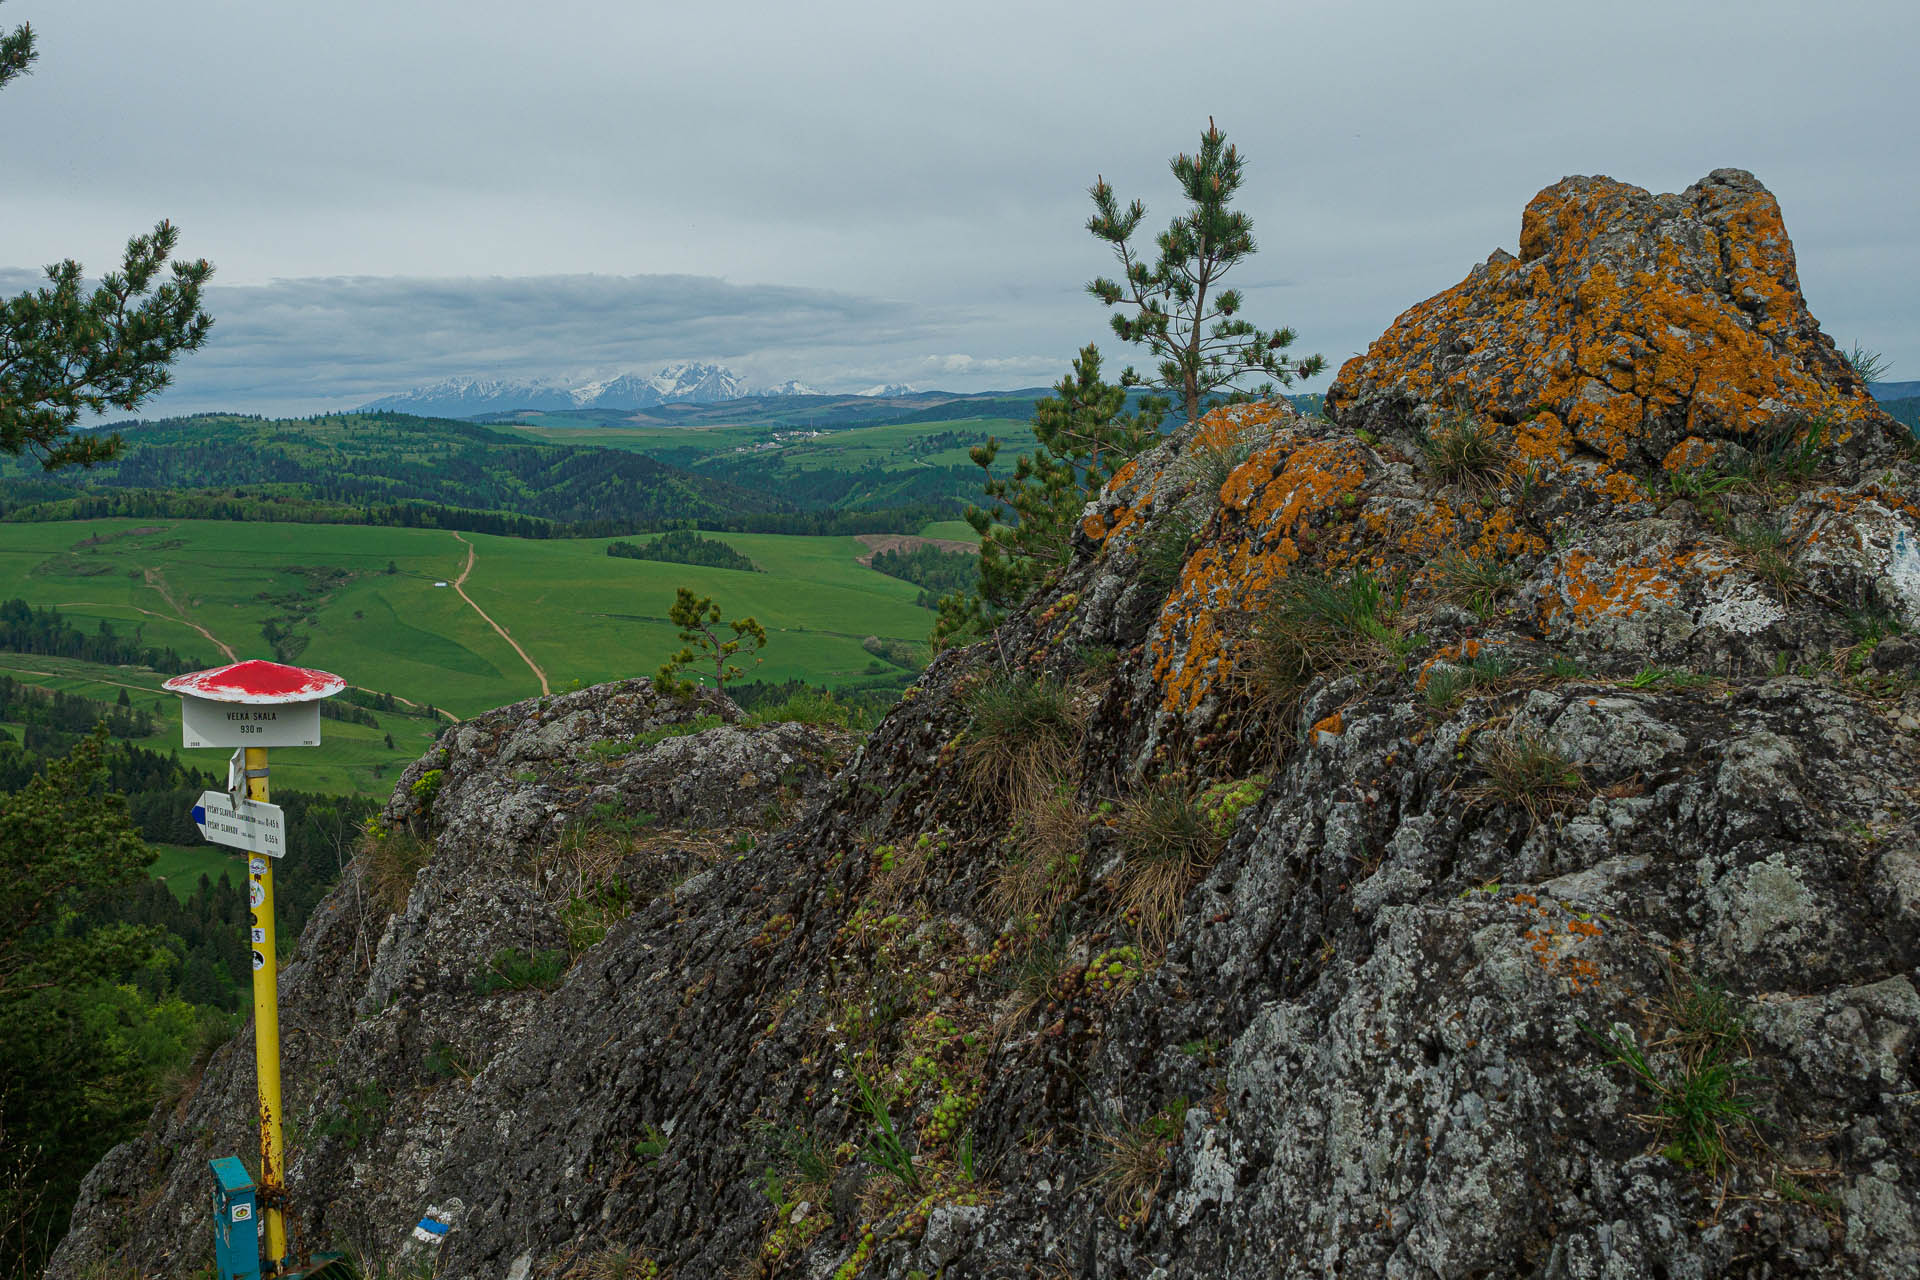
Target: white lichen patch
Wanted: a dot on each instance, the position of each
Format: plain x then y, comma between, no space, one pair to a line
1212,1174
1736,604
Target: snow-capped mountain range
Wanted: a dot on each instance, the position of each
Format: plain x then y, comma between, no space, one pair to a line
685,382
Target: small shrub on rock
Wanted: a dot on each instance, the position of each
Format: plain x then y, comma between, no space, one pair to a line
513,969
811,706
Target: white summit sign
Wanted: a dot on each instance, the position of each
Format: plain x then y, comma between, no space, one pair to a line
206,723
253,704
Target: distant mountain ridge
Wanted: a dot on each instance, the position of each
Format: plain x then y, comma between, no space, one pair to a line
684,382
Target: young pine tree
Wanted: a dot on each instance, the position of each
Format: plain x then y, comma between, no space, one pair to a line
66,351
1083,435
698,618
1175,307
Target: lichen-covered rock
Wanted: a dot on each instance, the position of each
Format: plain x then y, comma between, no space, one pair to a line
1551,907
1643,329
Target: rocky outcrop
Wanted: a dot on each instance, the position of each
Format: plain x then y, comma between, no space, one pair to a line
1466,848
1634,328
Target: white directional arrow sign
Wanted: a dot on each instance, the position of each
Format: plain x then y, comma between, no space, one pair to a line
241,824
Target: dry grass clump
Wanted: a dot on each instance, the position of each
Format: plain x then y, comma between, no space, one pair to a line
617,1263
1136,1159
393,859
1762,550
1042,871
1525,772
1032,978
1023,737
1168,842
1464,451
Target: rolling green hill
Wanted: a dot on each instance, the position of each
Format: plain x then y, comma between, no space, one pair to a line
366,461
364,602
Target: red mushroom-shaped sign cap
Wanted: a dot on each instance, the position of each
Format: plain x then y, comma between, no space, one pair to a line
259,683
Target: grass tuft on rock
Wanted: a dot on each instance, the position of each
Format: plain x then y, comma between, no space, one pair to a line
1169,840
1313,626
393,860
1463,451
1022,739
1526,772
1135,1159
1696,1072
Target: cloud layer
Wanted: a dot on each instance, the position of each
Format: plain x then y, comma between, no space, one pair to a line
908,181
298,346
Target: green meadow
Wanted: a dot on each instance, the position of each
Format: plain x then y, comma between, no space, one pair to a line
181,866
364,602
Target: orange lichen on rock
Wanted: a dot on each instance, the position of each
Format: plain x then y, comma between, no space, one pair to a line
1588,590
1628,324
1277,506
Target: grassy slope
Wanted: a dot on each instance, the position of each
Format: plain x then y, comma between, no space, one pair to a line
580,613
351,758
181,866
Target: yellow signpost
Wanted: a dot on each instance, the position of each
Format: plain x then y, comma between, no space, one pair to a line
253,706
266,1022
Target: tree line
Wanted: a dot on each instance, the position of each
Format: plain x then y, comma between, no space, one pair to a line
935,570
683,546
25,629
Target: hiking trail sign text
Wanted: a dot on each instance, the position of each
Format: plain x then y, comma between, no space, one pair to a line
252,825
205,723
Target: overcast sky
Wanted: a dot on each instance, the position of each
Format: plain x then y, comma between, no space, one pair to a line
845,193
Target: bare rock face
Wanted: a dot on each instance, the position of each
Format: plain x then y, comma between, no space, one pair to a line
1640,329
1494,862
506,853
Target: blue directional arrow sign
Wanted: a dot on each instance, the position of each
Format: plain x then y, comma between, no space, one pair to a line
252,825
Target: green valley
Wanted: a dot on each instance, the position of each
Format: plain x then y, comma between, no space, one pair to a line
381,607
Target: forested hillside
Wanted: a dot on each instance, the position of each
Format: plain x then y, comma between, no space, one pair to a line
368,462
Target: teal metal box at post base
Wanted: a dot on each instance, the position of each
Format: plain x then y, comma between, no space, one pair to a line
236,1224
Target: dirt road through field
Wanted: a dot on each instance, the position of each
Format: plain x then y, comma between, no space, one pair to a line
175,616
458,585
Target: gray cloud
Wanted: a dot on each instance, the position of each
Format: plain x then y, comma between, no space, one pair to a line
305,345
933,156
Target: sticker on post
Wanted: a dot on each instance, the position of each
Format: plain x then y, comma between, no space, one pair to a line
256,894
242,1212
256,865
259,938
259,960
